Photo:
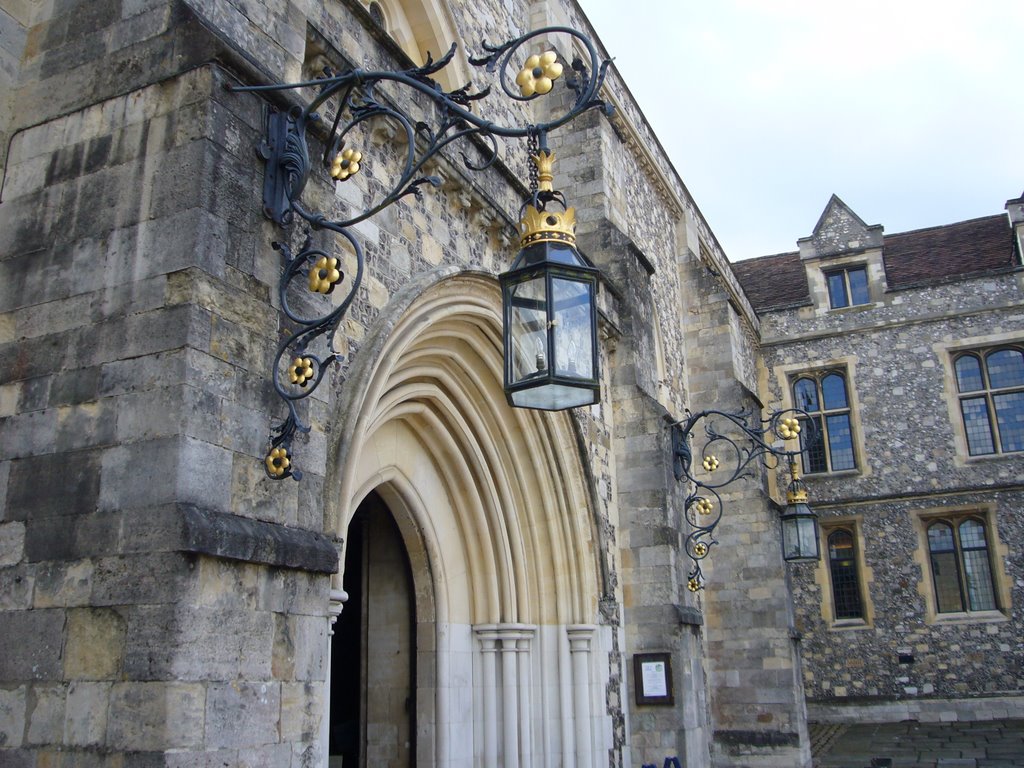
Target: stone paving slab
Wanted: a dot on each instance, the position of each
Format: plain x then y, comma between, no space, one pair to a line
987,744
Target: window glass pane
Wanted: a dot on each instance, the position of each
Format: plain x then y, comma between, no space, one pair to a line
837,290
840,545
840,442
947,581
1005,368
968,374
805,393
858,285
833,391
972,535
977,427
940,538
813,448
980,595
1010,418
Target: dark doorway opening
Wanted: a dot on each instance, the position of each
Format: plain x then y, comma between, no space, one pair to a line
373,651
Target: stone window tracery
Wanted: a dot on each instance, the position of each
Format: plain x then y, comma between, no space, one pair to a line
990,385
825,398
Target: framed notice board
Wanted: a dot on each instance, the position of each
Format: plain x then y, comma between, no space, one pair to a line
652,677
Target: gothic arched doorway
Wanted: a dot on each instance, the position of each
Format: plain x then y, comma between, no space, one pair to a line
373,690
494,509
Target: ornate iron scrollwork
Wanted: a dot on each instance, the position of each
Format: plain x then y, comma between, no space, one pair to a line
359,100
726,448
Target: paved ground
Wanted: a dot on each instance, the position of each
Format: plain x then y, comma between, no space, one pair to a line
994,744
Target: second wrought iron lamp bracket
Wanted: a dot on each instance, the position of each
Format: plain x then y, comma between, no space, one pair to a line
729,443
357,97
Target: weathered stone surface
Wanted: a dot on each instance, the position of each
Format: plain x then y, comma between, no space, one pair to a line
32,642
12,717
85,722
156,715
94,648
242,714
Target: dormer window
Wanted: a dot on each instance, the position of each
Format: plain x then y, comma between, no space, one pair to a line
848,287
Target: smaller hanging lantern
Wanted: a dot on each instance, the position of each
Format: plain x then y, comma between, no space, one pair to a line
549,306
799,523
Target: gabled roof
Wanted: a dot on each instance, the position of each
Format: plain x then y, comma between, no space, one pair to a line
920,257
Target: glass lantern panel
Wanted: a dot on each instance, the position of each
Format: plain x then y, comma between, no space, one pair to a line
528,326
800,537
573,334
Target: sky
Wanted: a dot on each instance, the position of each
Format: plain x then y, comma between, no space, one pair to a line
911,112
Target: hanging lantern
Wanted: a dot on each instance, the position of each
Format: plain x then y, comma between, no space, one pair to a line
799,523
550,311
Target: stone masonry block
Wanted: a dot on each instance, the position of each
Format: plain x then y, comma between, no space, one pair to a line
45,714
12,717
300,644
60,584
197,643
138,579
164,470
85,714
301,711
12,543
16,584
156,716
242,714
95,644
31,642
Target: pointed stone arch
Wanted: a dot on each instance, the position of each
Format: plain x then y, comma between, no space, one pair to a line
422,28
497,512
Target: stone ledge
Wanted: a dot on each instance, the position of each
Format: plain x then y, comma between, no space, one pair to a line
207,532
978,708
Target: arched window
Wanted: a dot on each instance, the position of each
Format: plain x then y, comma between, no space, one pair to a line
961,568
990,384
842,565
824,397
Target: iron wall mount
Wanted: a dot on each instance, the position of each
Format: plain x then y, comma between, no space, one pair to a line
732,442
358,97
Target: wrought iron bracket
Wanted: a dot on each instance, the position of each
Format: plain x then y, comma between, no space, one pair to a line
725,446
356,97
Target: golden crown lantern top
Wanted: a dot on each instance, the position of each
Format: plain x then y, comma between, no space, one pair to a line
546,226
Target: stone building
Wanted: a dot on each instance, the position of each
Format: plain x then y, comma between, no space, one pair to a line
909,349
452,582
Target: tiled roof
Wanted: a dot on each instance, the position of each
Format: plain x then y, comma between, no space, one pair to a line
771,282
920,257
935,254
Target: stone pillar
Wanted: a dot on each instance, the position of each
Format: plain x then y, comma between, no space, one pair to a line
488,637
338,599
525,698
580,638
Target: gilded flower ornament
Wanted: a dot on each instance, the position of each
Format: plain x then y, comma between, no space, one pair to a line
346,164
700,549
710,463
301,371
538,74
789,428
324,275
693,585
704,506
277,462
